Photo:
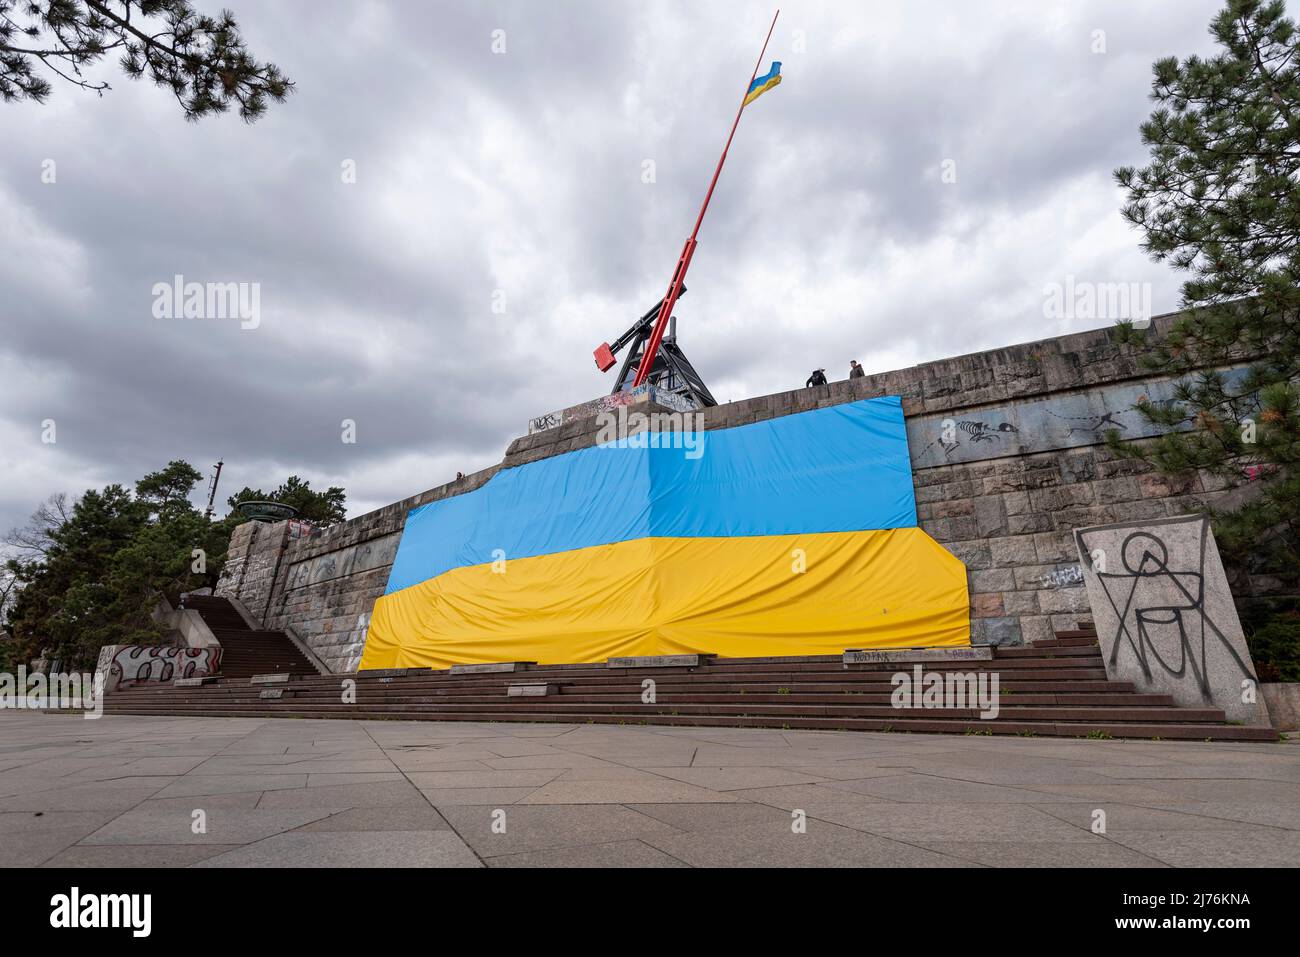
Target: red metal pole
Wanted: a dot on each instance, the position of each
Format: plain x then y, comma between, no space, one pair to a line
688,251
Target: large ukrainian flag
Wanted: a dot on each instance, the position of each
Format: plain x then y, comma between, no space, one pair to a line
794,536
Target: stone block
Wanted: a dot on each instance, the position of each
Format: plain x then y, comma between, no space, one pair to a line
1283,701
1157,485
495,667
1054,547
271,679
909,655
1020,603
1036,628
1016,503
1165,615
1061,601
993,579
657,661
1122,488
1013,550
996,631
1029,524
952,507
974,555
988,605
990,516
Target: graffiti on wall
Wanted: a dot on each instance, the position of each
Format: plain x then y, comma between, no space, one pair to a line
1165,615
132,664
608,403
1042,425
377,553
1068,576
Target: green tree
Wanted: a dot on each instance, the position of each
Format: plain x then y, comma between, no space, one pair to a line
1220,200
96,577
91,573
201,59
63,595
169,489
326,507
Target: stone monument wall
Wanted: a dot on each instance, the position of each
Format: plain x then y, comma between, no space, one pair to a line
1008,456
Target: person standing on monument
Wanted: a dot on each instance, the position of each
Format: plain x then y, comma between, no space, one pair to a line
855,370
817,378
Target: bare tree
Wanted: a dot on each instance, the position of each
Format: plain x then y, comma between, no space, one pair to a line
31,542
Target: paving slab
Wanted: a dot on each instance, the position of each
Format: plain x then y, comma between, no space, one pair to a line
443,798
1121,818
613,854
1189,848
385,849
85,798
120,792
713,817
378,794
1100,853
230,825
136,855
194,784
402,818
734,779
430,780
641,791
493,832
776,845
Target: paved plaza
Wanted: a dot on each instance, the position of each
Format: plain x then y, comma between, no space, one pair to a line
246,792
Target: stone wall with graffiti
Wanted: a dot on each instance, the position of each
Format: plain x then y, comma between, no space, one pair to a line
1004,483
1008,453
126,665
609,403
1067,421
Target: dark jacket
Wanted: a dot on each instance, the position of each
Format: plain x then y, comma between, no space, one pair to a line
817,378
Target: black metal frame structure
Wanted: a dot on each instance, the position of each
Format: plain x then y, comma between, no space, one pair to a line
672,371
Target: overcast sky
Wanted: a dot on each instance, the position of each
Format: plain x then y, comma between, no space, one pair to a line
518,178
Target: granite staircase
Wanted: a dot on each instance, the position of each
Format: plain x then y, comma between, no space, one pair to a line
1056,687
247,651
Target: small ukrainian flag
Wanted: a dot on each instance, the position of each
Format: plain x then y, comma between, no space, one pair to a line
764,83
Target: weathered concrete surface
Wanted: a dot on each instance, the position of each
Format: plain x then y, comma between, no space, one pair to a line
121,791
1165,615
1008,456
1283,700
643,397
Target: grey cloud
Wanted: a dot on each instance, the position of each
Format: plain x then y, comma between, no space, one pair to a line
522,172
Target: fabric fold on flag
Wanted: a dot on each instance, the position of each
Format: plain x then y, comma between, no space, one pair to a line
764,83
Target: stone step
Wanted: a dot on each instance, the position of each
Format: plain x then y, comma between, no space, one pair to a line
1193,732
1060,689
549,705
1017,682
735,701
